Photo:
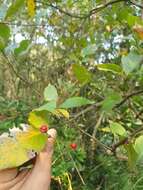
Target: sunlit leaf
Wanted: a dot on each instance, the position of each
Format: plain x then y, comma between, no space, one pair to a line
81,73
117,129
61,112
32,139
50,93
110,67
14,8
131,62
139,30
132,155
50,106
22,47
31,7
139,146
89,50
4,31
110,101
75,102
11,153
4,35
105,129
2,43
38,118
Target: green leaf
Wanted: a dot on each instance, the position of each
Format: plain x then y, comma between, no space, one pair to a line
81,73
110,67
132,20
32,139
14,8
75,102
132,155
117,129
4,35
4,31
2,43
89,50
50,106
110,101
22,47
131,62
139,146
50,93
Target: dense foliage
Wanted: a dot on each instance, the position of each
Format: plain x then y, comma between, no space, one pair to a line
91,49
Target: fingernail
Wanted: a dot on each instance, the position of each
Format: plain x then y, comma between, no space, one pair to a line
52,133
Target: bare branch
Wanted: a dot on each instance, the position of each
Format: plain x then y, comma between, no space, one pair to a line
135,4
126,139
93,11
127,97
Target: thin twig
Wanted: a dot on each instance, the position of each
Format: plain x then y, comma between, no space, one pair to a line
89,108
136,4
97,124
126,139
81,178
127,97
93,143
95,139
93,11
101,7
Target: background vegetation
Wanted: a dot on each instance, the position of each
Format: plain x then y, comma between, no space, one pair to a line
88,48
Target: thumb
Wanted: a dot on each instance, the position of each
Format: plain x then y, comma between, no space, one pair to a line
50,143
40,176
44,159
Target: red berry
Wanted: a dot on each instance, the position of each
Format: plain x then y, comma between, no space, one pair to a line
73,146
44,128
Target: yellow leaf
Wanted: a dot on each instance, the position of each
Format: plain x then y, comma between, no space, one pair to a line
123,51
36,119
11,154
32,139
69,182
61,112
139,30
108,28
106,129
31,7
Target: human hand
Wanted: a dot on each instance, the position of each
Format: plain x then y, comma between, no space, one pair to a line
38,177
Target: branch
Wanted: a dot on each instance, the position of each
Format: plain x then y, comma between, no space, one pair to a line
89,108
135,4
84,16
108,150
127,97
126,139
96,105
61,10
100,8
93,143
93,11
95,139
22,24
